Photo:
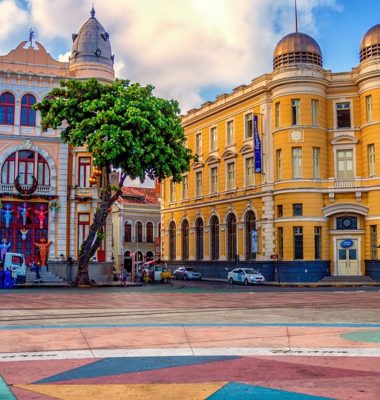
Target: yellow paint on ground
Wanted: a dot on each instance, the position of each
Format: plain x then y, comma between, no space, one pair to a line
189,391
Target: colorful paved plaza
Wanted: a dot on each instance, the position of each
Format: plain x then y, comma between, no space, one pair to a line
131,344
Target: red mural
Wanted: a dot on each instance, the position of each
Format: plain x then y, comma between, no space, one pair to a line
24,229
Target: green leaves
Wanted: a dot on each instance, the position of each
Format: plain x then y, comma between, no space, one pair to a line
122,124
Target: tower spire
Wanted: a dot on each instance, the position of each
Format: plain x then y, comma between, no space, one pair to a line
92,12
296,14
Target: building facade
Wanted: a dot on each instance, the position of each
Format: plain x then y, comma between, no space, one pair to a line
288,177
44,188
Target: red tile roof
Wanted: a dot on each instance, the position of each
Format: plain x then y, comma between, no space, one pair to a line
134,195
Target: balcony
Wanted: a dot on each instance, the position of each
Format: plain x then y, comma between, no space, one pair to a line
10,188
344,183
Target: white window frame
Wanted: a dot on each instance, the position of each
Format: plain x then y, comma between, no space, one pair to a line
246,137
339,101
213,138
198,184
371,159
230,183
185,187
279,164
297,166
316,162
230,139
338,150
172,191
249,178
277,115
314,112
214,185
297,104
198,143
369,108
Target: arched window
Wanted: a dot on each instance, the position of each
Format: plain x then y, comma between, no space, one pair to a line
7,109
149,232
149,256
25,164
250,236
28,115
172,241
199,238
138,256
127,232
185,239
231,237
139,232
214,235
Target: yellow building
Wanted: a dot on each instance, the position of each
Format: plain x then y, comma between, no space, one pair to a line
300,194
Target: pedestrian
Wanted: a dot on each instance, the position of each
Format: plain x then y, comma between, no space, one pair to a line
8,279
14,276
37,269
123,277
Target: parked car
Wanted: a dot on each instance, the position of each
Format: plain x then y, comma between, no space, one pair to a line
187,273
245,276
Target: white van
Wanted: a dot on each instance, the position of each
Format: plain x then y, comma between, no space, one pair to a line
16,261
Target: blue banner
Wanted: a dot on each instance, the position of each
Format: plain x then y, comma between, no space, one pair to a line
255,243
257,144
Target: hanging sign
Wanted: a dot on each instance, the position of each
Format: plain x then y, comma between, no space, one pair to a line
257,145
255,244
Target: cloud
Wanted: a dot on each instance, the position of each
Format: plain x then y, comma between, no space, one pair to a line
179,46
64,57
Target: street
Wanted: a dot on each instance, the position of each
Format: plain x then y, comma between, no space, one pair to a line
190,340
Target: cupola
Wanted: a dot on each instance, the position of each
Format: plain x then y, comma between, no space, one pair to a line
370,44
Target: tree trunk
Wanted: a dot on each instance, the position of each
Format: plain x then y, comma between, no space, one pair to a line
95,235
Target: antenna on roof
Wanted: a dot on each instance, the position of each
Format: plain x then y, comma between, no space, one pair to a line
296,14
92,12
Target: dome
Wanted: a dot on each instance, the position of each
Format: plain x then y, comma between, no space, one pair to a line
91,49
295,48
370,44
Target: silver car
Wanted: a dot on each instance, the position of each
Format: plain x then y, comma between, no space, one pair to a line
245,276
187,273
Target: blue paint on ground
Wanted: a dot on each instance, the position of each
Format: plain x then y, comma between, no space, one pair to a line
179,325
125,365
5,392
241,391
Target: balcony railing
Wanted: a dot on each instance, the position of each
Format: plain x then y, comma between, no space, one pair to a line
84,191
10,188
344,183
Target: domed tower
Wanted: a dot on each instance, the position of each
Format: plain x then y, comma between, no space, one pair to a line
370,44
91,54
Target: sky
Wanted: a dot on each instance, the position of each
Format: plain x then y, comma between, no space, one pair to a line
192,50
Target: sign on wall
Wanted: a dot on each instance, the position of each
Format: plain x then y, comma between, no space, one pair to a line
257,145
255,243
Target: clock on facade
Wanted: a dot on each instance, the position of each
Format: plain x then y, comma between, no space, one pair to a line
296,135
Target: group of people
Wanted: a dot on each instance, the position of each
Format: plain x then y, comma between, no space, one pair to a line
8,278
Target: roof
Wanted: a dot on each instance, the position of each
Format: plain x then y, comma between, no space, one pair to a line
134,195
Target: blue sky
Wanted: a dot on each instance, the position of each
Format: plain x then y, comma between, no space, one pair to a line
192,50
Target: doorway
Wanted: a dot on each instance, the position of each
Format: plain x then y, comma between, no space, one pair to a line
347,252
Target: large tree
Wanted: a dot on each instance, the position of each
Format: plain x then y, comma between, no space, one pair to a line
125,128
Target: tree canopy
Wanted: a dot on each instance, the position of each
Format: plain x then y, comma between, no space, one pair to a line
123,125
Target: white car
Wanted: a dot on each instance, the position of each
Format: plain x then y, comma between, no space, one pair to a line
245,276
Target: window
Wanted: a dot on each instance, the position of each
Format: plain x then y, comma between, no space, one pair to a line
298,242
250,236
198,144
368,108
185,239
280,210
346,222
297,209
373,232
280,243
230,133
127,232
343,115
314,112
214,233
198,184
83,228
248,126
185,187
213,139
249,172
28,115
84,171
231,176
231,237
317,242
297,162
7,109
295,111
279,164
214,180
277,115
316,162
172,241
26,164
371,159
199,239
149,232
139,232
172,191
345,164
